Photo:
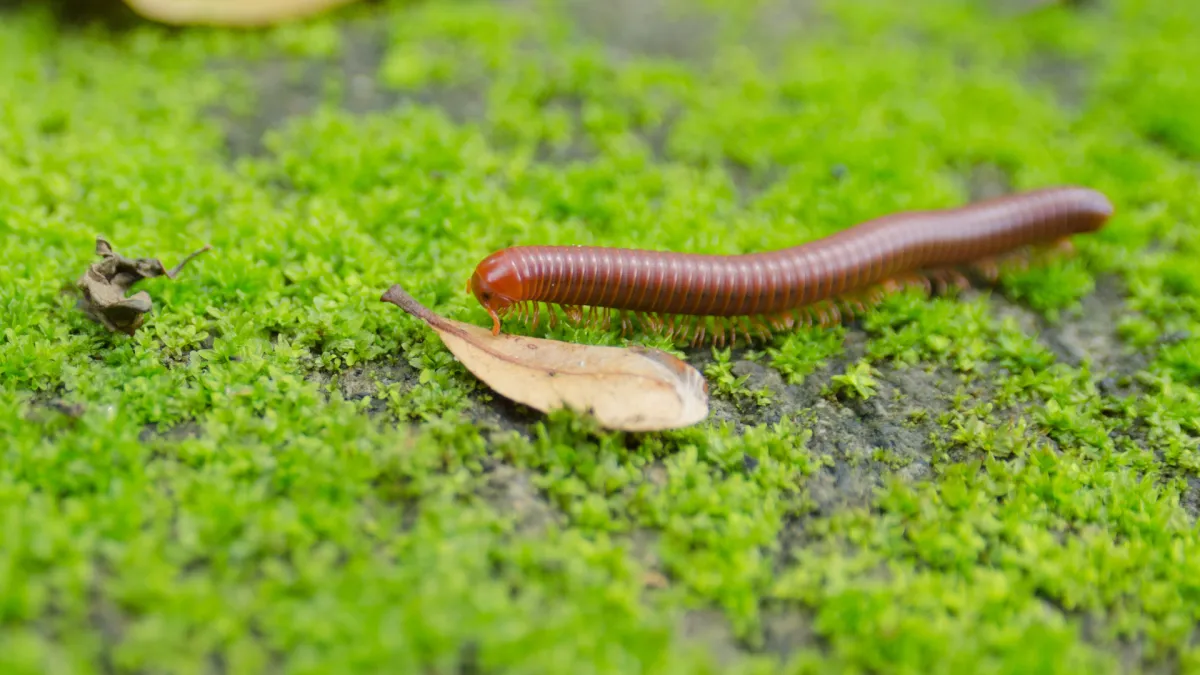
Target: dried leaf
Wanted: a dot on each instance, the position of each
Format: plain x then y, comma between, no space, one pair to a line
630,389
241,13
105,284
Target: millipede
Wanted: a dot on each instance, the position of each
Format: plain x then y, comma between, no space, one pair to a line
698,296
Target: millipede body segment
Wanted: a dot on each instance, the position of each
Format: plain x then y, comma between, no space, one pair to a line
821,280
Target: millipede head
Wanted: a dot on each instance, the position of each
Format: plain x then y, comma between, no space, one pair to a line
496,286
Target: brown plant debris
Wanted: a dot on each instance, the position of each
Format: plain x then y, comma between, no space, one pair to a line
106,283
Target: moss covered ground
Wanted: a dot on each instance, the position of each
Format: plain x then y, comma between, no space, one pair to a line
279,473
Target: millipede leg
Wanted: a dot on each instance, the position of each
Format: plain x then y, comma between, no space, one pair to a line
744,324
804,317
938,282
719,337
537,313
958,282
1017,261
683,328
761,328
822,316
907,283
988,268
947,279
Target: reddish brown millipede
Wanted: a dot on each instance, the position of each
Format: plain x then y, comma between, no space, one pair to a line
823,280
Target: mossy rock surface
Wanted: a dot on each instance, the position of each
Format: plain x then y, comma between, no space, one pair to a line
279,473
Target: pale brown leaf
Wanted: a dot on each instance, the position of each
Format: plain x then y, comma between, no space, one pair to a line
241,13
630,389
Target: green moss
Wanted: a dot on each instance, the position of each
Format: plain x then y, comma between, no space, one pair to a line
857,382
722,381
279,473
